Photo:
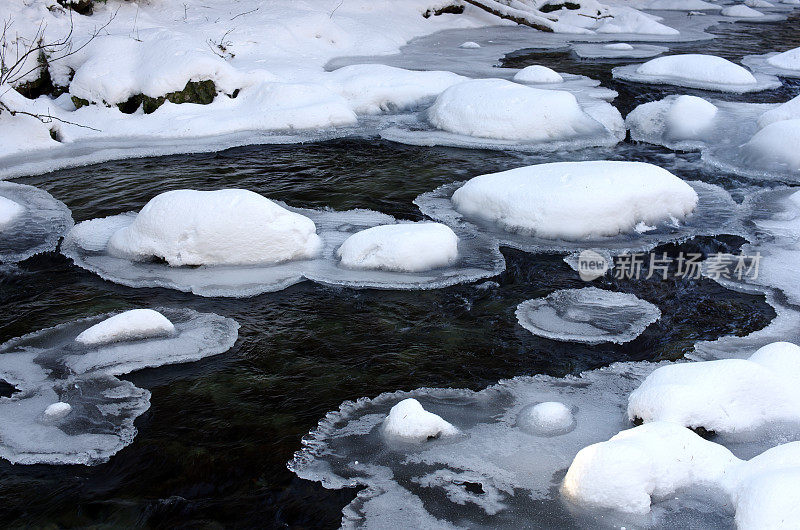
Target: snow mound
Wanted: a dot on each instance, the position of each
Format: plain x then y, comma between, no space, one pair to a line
741,11
499,109
537,73
758,3
571,214
407,247
724,396
788,60
477,257
654,460
376,88
498,472
697,71
469,45
617,50
677,122
71,408
587,315
777,144
786,111
224,227
31,221
577,200
9,210
551,418
130,325
409,421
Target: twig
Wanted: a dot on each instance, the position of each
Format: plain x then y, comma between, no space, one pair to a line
248,12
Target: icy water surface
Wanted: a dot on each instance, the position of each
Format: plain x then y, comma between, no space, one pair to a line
213,447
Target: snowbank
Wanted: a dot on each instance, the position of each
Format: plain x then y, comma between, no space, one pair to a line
71,407
777,144
587,315
31,221
408,247
697,71
537,73
499,109
409,421
725,396
376,88
130,325
741,11
577,200
224,227
550,418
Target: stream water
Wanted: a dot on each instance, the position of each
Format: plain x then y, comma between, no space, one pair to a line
212,449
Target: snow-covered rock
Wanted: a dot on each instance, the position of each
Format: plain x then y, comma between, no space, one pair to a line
31,221
376,88
673,121
577,200
654,460
788,60
469,45
725,396
690,116
130,325
741,11
617,50
697,71
777,144
786,111
499,109
9,210
537,73
587,315
409,421
758,3
409,247
623,46
188,227
549,418
71,407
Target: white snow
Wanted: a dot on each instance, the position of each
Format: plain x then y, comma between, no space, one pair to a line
376,88
618,46
537,73
786,111
409,421
758,3
789,60
617,50
727,395
673,121
231,226
589,315
129,325
550,418
499,109
777,144
408,247
690,116
56,411
469,45
697,71
741,11
654,460
577,200
9,210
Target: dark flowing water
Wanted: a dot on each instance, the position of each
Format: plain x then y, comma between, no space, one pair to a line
212,449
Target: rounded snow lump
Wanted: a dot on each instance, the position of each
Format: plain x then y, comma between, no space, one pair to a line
697,67
538,74
777,144
500,109
741,11
689,116
224,227
618,46
404,247
549,418
409,421
789,60
469,45
577,200
9,210
56,411
130,325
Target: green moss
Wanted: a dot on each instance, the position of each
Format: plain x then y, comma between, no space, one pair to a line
200,92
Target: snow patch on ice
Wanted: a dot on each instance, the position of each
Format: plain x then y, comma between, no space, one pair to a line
550,418
537,73
408,420
130,325
9,210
